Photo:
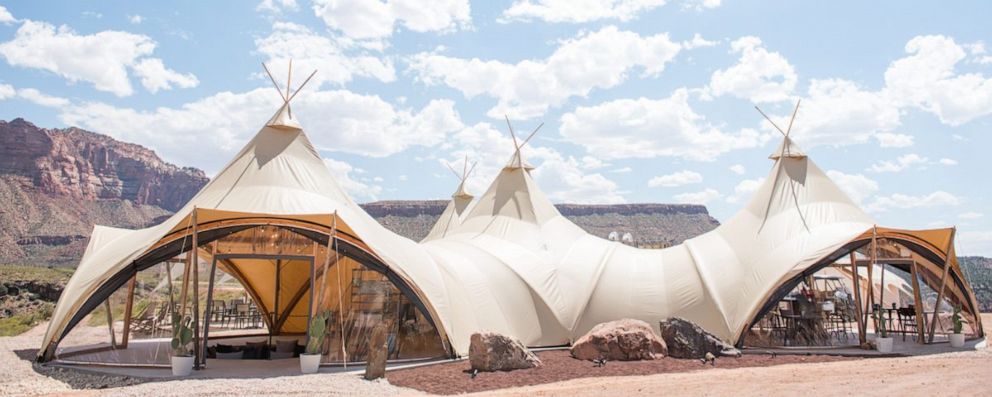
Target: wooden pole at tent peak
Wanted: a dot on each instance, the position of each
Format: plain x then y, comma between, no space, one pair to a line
857,299
943,281
197,353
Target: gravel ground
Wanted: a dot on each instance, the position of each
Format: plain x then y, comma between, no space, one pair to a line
20,377
558,365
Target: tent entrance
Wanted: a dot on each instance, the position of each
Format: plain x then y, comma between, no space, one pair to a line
278,295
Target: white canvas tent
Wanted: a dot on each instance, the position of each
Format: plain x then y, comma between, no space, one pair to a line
512,263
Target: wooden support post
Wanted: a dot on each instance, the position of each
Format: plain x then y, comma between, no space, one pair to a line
197,353
870,303
127,310
210,303
943,282
862,329
918,304
110,323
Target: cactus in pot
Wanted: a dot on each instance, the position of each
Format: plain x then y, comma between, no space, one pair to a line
182,335
957,338
310,359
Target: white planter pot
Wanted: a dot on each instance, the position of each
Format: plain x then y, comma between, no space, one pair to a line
957,340
309,363
182,366
883,345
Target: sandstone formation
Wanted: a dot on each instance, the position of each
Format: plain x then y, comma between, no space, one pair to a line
375,367
620,340
685,339
489,351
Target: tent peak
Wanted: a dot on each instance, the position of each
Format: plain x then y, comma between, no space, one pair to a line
462,177
283,119
788,148
517,161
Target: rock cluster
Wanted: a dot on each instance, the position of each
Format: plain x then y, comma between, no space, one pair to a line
489,351
685,339
621,340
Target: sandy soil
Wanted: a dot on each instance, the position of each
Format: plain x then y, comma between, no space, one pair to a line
19,378
558,365
961,373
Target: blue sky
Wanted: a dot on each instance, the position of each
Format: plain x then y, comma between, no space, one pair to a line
641,100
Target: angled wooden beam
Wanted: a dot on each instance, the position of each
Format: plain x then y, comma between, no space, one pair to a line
127,310
857,300
943,281
918,305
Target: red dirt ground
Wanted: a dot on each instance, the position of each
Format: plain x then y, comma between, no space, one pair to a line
453,378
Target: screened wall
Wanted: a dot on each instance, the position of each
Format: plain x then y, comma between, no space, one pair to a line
252,284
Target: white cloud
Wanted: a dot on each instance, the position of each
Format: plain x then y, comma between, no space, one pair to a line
698,42
358,189
563,180
903,201
312,51
700,197
758,76
375,20
857,186
927,79
647,128
838,112
135,19
892,140
38,98
970,215
155,76
101,58
946,161
700,5
592,163
7,91
193,133
680,178
745,189
901,163
622,170
5,17
975,242
596,60
738,169
577,11
277,6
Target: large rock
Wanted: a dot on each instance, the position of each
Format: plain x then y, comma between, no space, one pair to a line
375,368
688,340
489,351
621,340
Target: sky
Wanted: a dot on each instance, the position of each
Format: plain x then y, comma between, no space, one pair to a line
640,100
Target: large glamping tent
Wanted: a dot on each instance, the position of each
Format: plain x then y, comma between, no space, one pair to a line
278,222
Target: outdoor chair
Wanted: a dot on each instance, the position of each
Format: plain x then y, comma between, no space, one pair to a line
145,322
907,321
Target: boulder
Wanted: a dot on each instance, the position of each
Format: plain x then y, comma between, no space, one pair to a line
378,352
688,340
621,340
489,351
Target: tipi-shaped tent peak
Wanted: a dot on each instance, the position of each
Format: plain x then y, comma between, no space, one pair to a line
788,148
460,193
517,161
283,119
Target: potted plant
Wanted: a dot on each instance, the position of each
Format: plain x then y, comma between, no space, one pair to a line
957,338
883,342
310,359
182,335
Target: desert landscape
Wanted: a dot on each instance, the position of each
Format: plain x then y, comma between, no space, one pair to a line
964,373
